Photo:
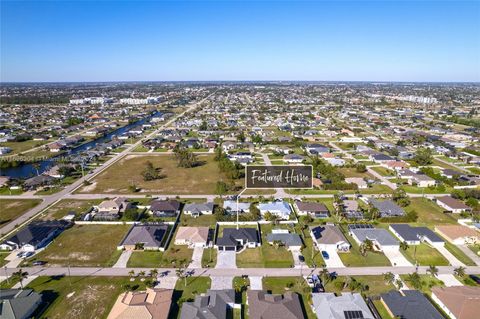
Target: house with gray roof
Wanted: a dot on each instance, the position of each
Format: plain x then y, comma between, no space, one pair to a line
314,209
291,241
415,235
213,305
409,304
230,207
262,305
328,237
387,208
165,208
381,238
197,209
347,305
149,235
18,303
236,239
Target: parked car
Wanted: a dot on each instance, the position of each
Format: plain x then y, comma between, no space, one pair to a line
301,258
475,278
27,254
325,255
38,263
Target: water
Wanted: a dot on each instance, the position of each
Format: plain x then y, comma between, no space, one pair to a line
27,170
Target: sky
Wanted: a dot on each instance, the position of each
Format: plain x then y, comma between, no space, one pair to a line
55,41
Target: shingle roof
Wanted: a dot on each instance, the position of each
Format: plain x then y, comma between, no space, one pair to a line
410,233
149,235
231,234
287,239
262,305
37,231
462,301
410,304
17,303
328,234
211,306
382,236
311,207
164,205
387,208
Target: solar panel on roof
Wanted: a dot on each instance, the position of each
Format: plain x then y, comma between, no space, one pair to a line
353,314
360,226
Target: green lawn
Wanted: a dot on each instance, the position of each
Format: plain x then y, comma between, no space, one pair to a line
13,208
383,171
355,259
279,285
427,283
209,258
382,310
352,172
174,256
85,245
458,253
239,284
376,285
120,176
203,220
425,255
19,147
312,256
80,297
3,255
428,212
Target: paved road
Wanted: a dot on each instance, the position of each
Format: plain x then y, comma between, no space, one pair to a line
52,199
232,272
279,192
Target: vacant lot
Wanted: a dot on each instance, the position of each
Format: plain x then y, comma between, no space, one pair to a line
80,297
424,255
66,206
175,256
428,212
85,245
376,284
13,208
352,172
177,180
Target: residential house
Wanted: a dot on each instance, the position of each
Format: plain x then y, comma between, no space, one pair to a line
360,182
452,205
380,158
237,239
415,235
314,149
345,306
381,238
192,236
152,304
329,237
262,305
280,209
314,209
459,302
35,235
421,180
37,181
293,159
230,207
197,209
351,209
290,241
458,234
111,209
387,208
146,236
409,304
215,304
19,303
165,208
450,173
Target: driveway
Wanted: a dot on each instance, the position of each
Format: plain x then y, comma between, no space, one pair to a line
397,258
196,258
167,282
256,283
123,259
333,260
450,257
222,282
467,251
296,261
449,280
226,259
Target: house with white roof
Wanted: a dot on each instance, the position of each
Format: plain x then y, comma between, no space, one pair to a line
281,209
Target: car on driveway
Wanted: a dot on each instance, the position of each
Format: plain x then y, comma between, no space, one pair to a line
325,255
27,254
38,263
301,258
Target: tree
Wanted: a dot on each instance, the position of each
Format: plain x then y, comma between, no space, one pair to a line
185,158
389,277
459,271
401,197
150,173
432,270
361,168
270,217
221,188
324,275
20,275
415,280
404,245
399,284
423,156
180,272
203,126
153,273
366,246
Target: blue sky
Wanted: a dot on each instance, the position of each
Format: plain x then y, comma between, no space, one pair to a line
233,40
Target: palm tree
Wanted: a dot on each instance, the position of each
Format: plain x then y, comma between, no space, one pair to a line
131,273
399,284
389,277
324,274
460,271
415,280
432,270
180,272
404,245
154,273
21,275
141,273
36,166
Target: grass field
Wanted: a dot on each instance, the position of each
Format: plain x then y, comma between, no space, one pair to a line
376,285
352,172
209,258
427,283
279,285
383,171
425,255
127,172
428,212
85,245
174,256
19,147
13,208
80,297
203,220
65,206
